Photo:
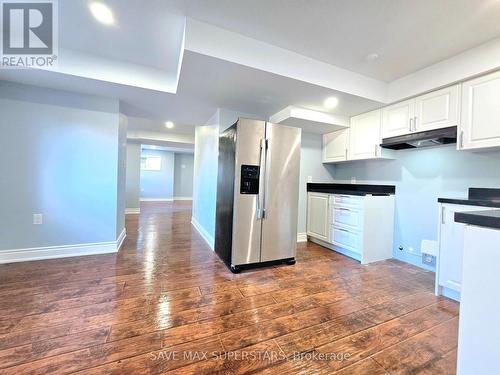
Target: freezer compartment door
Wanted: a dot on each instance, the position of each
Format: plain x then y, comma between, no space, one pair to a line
248,192
279,226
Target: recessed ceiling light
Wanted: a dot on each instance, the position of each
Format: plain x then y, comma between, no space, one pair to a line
372,57
102,13
331,102
169,124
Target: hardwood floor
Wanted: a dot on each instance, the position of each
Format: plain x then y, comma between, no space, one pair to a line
166,304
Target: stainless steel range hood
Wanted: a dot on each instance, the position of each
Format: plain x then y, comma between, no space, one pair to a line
422,139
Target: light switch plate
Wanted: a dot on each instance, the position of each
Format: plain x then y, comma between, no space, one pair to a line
309,178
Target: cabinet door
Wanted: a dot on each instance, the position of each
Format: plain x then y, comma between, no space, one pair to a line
317,216
437,109
480,119
364,136
397,119
335,146
451,241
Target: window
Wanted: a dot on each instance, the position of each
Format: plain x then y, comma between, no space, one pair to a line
151,163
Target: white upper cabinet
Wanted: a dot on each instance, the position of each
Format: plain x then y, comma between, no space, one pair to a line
335,146
364,137
480,119
397,119
437,109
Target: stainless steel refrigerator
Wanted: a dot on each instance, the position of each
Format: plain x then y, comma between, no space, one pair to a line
257,194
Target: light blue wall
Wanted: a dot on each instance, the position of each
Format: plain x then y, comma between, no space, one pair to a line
311,165
121,175
59,158
158,184
133,175
183,175
205,177
205,168
421,176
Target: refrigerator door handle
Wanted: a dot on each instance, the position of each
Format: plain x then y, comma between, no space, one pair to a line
261,212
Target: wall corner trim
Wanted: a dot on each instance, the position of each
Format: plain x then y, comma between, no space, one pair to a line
204,234
65,251
301,237
120,239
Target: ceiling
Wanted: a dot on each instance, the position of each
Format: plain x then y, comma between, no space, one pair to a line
158,126
407,35
167,147
205,84
141,60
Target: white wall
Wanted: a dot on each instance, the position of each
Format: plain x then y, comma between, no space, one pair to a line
205,178
183,175
421,176
311,164
121,175
133,176
158,185
60,158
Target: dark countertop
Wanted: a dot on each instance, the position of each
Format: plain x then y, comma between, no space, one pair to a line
487,219
351,189
484,197
471,202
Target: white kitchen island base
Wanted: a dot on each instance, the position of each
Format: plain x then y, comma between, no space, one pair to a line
479,328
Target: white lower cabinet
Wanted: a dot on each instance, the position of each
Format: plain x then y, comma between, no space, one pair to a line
450,254
317,216
360,227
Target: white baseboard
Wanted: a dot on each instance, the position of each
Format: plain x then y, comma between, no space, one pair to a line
132,211
183,198
206,236
301,237
156,199
53,252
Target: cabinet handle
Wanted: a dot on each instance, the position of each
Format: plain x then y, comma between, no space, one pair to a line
342,209
461,144
376,150
342,230
415,123
346,153
443,213
411,123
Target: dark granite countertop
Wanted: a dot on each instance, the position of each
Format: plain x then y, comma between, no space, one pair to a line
471,202
487,219
483,197
351,189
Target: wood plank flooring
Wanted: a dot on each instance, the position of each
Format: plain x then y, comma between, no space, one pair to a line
165,304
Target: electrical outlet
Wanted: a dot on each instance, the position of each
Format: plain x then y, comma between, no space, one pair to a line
37,219
309,178
428,259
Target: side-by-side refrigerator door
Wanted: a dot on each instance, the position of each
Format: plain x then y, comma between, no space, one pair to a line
248,192
279,226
